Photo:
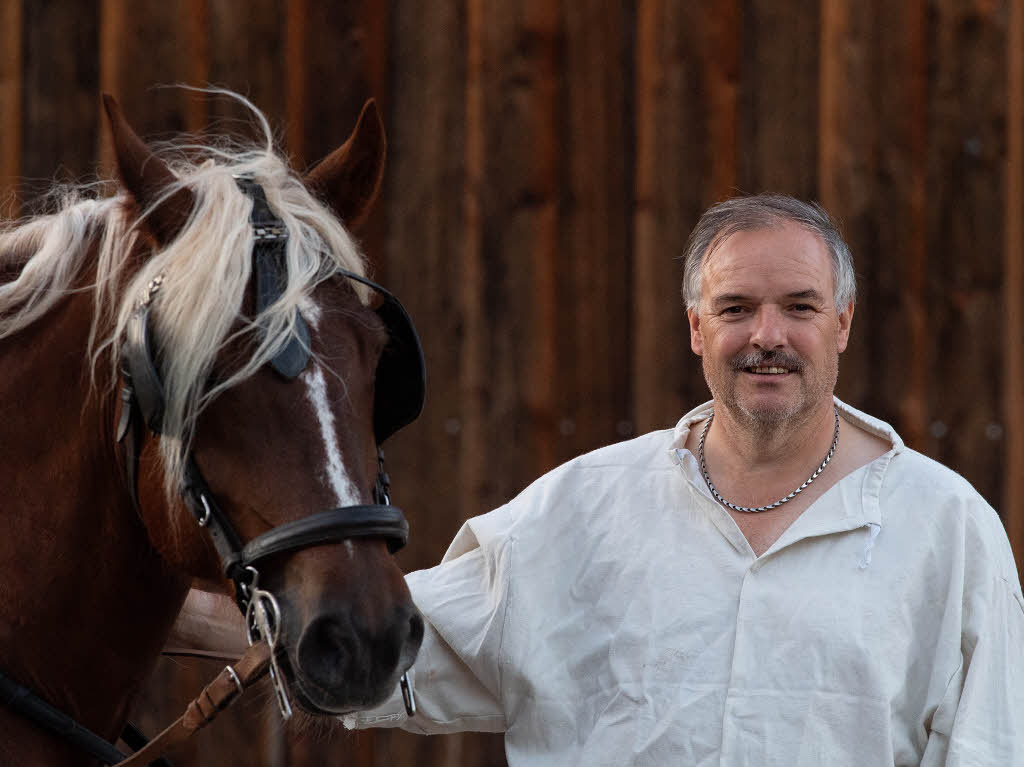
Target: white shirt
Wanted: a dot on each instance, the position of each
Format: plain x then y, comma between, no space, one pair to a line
614,614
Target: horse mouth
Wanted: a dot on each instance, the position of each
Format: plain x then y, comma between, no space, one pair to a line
337,700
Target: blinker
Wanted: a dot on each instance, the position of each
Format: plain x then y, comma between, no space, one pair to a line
400,388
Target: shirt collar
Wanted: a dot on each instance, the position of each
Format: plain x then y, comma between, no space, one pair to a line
855,498
867,422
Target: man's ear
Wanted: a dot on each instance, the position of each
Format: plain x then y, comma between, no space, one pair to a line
845,321
696,339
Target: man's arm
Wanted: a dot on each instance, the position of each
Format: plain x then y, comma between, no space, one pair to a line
209,625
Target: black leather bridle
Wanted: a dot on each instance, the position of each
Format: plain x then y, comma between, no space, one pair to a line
400,388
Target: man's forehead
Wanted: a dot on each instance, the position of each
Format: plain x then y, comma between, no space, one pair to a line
792,257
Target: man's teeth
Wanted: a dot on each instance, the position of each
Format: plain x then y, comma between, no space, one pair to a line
769,371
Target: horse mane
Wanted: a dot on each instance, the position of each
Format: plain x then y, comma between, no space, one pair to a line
206,269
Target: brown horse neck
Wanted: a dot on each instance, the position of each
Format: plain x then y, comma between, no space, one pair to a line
87,602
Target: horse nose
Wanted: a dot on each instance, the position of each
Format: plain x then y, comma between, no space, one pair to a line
336,651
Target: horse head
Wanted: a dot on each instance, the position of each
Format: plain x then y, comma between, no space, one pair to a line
260,381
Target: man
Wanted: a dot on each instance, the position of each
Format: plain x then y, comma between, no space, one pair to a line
777,581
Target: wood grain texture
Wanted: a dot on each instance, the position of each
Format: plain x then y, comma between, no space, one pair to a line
686,122
589,283
59,118
1013,287
10,107
967,144
779,97
872,167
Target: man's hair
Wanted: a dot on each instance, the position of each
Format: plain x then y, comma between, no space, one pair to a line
766,211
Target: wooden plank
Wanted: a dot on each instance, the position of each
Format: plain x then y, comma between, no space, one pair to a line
196,46
872,170
779,97
247,46
966,206
336,77
542,27
145,49
60,79
297,80
1012,505
10,107
590,317
686,122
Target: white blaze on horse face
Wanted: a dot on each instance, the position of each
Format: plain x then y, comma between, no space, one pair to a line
316,390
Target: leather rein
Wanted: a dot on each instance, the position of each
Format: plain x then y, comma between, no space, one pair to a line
142,405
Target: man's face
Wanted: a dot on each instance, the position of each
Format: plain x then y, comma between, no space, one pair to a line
767,328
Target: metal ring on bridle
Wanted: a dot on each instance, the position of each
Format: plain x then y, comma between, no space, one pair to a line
205,519
266,602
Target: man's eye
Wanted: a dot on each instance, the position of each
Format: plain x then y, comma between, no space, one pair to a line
803,308
732,310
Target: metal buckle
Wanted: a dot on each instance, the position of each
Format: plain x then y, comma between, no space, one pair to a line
235,679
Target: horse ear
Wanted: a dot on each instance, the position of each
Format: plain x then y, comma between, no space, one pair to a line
349,178
147,177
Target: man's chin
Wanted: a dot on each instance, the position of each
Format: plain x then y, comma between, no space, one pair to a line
768,412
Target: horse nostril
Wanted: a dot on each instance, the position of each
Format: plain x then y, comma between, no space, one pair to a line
416,629
325,651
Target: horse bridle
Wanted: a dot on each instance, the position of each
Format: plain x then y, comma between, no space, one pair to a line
400,379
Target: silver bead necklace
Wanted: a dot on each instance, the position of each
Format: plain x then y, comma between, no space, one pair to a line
733,506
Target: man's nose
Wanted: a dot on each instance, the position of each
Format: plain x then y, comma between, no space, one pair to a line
769,329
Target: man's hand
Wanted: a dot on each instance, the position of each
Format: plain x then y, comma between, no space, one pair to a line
209,625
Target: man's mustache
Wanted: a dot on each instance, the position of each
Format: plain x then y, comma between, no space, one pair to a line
765,359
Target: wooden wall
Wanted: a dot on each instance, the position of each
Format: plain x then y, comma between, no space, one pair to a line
548,159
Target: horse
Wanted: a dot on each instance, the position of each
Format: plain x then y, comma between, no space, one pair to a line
195,383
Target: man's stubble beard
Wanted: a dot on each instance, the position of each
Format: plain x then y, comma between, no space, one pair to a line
766,423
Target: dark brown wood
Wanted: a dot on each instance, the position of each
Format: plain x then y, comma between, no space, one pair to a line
872,159
686,122
247,48
967,147
779,97
1013,287
59,92
586,284
10,107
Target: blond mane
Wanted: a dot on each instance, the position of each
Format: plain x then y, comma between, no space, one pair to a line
206,270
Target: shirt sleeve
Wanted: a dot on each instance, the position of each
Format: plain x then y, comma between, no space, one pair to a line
457,675
980,720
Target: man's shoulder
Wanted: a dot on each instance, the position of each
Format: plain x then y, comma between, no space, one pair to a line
915,474
939,496
605,473
646,452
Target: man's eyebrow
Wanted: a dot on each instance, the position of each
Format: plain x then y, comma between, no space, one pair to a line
810,293
729,298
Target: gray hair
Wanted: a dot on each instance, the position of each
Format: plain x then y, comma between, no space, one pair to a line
766,211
